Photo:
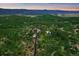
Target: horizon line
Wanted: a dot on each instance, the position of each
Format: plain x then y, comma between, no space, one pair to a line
37,9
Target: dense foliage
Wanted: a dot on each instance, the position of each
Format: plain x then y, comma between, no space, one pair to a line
59,36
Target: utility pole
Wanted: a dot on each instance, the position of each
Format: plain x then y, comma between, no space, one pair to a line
34,40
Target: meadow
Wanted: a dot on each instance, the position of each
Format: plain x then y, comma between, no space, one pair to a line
58,36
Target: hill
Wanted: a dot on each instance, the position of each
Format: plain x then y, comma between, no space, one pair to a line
35,12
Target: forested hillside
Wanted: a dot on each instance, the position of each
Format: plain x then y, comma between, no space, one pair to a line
58,36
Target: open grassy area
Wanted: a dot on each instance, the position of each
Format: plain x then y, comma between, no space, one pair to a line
58,36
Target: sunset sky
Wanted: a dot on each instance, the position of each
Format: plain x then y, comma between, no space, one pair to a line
37,6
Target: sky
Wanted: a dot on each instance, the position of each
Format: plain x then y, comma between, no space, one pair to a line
42,6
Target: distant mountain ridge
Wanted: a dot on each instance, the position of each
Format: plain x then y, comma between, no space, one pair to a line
34,12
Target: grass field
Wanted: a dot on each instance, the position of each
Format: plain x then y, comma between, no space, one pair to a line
58,36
